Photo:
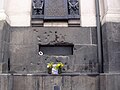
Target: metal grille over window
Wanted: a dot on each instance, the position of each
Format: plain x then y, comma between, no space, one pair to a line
37,9
73,9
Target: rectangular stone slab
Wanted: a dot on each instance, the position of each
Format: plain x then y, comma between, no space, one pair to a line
56,10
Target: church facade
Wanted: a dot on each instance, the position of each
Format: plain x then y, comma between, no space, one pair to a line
82,34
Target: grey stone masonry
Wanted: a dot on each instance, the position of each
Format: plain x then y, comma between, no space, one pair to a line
47,82
65,82
24,48
4,45
111,47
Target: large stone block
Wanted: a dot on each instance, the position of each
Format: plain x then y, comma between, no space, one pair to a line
110,82
111,46
19,83
6,82
3,67
51,81
94,35
84,83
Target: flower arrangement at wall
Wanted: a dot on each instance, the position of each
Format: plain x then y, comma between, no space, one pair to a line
55,68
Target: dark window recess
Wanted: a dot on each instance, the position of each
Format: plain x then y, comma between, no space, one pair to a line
55,9
58,50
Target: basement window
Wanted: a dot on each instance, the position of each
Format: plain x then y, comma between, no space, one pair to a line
58,50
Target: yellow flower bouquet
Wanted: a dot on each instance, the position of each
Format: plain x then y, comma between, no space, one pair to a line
55,68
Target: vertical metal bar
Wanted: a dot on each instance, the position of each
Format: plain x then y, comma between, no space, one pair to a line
99,40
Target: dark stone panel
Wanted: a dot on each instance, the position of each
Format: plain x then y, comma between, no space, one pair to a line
114,63
25,42
6,82
51,81
114,32
19,83
110,82
4,43
22,53
56,10
48,35
66,83
105,48
24,82
84,83
85,58
81,82
94,35
17,37
111,46
38,82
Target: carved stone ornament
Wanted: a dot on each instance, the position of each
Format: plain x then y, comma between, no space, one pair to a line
73,7
38,7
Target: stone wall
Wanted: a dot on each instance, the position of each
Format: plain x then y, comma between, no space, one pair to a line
45,82
111,47
65,82
4,45
24,48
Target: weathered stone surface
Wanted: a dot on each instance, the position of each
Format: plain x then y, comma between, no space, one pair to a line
4,43
110,82
38,82
84,83
94,35
3,67
25,42
111,47
79,82
19,83
51,81
56,10
6,82
66,83
85,58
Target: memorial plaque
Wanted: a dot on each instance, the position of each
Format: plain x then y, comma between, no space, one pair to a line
55,9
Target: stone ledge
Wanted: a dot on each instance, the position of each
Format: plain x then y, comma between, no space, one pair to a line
46,74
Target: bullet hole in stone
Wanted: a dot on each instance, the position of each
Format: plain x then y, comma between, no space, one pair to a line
65,63
84,58
35,30
68,67
55,31
57,60
23,69
75,48
86,67
38,63
45,32
50,31
63,69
